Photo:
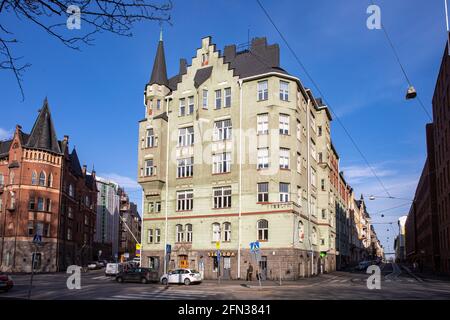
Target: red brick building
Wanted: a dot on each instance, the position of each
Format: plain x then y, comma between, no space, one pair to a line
441,126
428,224
44,191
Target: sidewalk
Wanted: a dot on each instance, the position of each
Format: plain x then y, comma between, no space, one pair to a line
425,276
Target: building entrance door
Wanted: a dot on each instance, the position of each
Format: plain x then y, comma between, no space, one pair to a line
263,267
227,268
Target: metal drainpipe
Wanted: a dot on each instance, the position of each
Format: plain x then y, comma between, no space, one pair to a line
308,185
240,178
167,186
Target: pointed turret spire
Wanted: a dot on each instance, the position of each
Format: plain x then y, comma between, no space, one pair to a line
43,135
159,72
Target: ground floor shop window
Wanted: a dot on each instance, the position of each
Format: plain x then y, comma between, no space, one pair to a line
153,263
36,260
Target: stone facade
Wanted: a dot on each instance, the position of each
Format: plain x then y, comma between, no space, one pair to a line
234,150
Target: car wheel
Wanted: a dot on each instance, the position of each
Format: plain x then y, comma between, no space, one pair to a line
119,280
164,281
187,281
144,281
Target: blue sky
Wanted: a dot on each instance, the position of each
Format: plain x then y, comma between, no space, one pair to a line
96,95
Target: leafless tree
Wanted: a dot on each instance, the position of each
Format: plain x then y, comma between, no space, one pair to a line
52,16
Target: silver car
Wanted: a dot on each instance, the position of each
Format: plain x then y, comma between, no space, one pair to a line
181,276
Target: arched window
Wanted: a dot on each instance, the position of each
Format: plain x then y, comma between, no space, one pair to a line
301,231
11,177
50,180
314,236
263,230
180,234
71,193
34,181
42,179
188,232
227,232
216,232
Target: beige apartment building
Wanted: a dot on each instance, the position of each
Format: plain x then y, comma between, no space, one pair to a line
232,150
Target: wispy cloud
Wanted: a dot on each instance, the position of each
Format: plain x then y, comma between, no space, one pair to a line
123,181
359,173
5,134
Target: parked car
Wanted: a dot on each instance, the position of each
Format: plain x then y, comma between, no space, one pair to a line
94,265
6,282
113,269
182,276
103,263
143,275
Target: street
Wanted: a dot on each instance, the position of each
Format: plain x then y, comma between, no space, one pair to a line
395,284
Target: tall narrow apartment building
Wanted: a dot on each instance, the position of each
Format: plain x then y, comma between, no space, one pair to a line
233,150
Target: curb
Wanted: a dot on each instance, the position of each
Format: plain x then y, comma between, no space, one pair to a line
408,271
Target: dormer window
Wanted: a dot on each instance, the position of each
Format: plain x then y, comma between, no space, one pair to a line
205,59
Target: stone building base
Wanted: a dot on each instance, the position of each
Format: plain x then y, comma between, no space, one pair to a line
290,264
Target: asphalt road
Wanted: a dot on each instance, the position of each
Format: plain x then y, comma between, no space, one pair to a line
395,284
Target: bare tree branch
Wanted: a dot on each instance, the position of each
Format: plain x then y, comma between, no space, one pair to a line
96,16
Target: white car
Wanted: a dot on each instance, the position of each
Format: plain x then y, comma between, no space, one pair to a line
112,269
180,276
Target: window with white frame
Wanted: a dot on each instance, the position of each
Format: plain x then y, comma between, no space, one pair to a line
263,90
227,232
312,120
218,100
33,178
150,236
188,228
284,158
301,231
314,236
222,162
50,180
299,163
313,177
71,191
227,97
222,130
149,168
158,104
190,105
205,58
263,230
185,200
263,123
313,150
185,136
284,90
284,124
185,167
216,232
150,138
222,197
179,233
299,131
284,192
263,192
263,158
299,196
157,235
205,99
182,108
313,206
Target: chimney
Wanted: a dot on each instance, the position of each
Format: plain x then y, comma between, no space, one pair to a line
83,170
229,53
183,66
66,138
18,127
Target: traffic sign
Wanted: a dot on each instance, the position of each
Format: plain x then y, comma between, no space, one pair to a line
126,255
217,245
37,239
168,248
138,246
254,246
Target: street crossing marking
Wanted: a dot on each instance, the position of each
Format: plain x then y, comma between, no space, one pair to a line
162,295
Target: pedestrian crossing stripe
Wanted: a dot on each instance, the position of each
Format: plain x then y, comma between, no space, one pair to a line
161,295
